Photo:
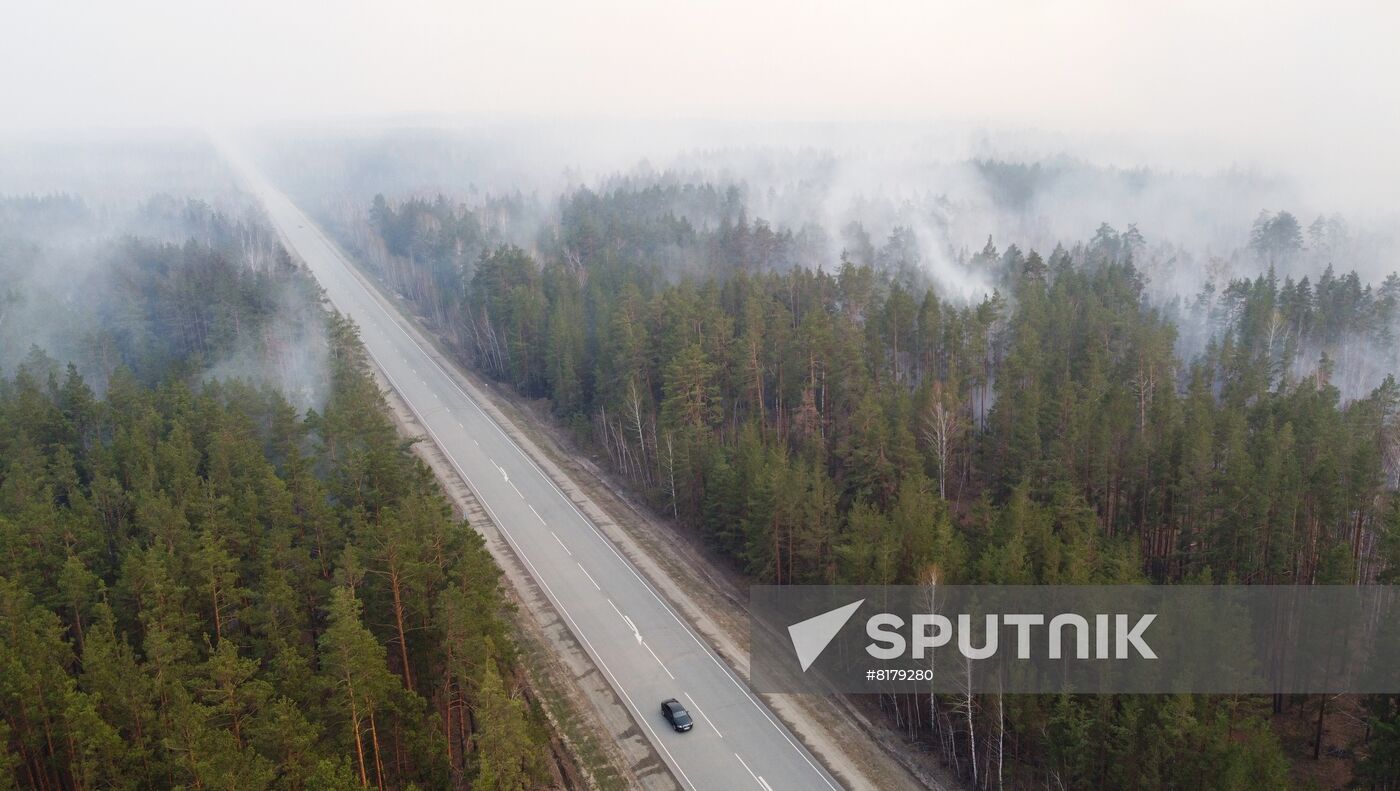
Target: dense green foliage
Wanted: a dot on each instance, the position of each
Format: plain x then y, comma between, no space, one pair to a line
854,426
860,390
202,588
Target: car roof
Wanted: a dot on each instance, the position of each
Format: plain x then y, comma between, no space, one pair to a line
674,705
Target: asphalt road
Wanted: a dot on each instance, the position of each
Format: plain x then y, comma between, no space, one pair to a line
641,644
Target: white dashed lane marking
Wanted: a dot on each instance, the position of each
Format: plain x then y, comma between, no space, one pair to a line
561,543
702,714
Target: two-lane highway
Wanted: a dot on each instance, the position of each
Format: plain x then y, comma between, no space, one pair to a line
644,648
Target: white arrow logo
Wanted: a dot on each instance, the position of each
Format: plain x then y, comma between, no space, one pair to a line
811,637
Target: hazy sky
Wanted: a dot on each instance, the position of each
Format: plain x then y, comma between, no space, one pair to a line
1310,84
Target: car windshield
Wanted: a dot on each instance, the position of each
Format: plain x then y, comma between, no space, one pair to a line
681,715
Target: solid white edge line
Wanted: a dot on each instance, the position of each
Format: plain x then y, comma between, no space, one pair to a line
708,650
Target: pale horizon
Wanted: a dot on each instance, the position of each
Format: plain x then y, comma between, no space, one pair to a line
1301,88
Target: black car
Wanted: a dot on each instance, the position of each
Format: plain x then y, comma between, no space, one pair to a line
676,714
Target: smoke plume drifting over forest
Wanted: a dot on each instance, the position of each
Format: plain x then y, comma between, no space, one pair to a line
920,201
96,247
